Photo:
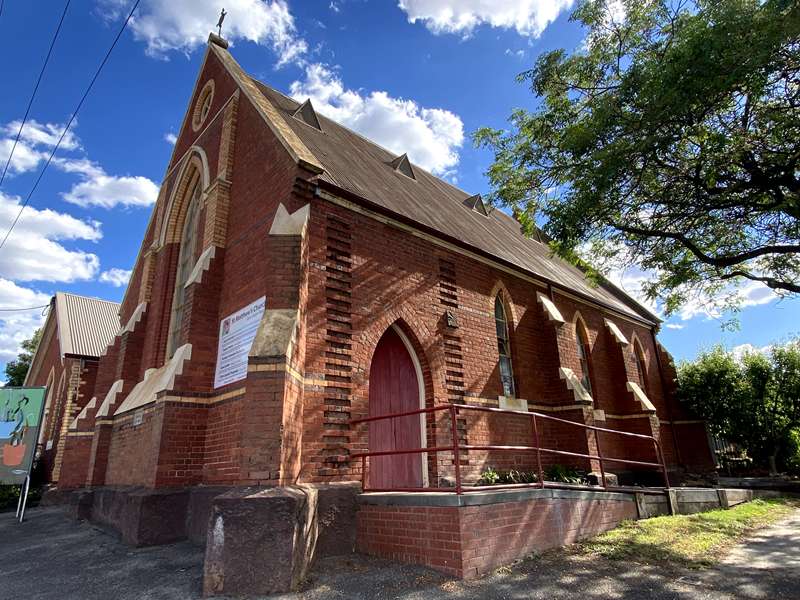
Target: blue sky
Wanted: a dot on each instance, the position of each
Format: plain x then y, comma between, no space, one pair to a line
416,75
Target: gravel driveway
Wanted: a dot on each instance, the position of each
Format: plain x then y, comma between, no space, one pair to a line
50,557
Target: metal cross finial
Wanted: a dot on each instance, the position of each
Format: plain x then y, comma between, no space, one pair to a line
219,23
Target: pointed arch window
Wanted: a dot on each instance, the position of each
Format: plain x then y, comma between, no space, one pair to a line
582,342
638,358
504,347
186,258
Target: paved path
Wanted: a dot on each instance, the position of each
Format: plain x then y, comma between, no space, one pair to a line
50,557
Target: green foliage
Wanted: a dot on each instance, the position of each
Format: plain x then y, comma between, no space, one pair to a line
754,402
559,473
564,474
792,452
491,476
670,139
693,541
16,370
9,495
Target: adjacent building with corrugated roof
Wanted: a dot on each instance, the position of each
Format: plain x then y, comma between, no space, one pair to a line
75,335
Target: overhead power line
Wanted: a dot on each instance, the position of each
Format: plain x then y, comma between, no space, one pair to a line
69,123
21,309
35,88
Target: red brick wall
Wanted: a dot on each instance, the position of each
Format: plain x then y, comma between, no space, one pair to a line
134,450
392,275
75,464
47,361
181,453
222,452
469,541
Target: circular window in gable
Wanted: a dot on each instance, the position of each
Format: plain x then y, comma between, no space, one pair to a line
203,105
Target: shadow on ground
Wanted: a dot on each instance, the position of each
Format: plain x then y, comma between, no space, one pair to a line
50,557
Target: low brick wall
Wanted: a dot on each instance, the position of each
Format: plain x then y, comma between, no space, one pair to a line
467,536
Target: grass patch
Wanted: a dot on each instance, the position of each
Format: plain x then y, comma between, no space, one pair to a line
693,541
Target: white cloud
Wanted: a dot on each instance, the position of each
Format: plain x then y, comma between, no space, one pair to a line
35,143
97,188
674,326
520,54
46,134
527,17
631,278
116,277
334,7
170,138
15,327
184,25
751,293
742,349
33,251
430,136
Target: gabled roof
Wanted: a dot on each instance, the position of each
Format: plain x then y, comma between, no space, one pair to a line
86,326
352,163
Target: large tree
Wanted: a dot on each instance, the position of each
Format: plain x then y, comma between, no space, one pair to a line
754,402
16,370
670,137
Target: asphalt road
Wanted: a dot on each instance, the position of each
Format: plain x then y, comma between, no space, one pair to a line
50,557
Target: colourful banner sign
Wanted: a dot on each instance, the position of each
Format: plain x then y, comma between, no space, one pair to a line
20,419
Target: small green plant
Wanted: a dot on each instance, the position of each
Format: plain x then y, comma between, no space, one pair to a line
492,476
515,476
564,474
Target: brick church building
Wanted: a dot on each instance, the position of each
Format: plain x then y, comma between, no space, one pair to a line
75,334
295,276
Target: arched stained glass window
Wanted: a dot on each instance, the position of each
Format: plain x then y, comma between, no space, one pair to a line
583,356
504,347
186,259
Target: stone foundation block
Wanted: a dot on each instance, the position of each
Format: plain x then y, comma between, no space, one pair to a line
80,504
260,541
144,517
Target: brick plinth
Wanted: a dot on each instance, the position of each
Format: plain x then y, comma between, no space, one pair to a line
469,536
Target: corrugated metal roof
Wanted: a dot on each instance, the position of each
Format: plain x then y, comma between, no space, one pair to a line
357,165
86,326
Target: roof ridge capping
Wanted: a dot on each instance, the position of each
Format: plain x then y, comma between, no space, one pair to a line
74,295
306,114
401,164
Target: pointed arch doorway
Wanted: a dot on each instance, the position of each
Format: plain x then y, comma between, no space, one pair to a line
396,386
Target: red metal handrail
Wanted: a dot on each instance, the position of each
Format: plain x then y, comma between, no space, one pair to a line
456,448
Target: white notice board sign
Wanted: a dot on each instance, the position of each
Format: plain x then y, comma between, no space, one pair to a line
236,334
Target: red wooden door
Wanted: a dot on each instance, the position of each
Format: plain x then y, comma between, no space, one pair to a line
394,388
